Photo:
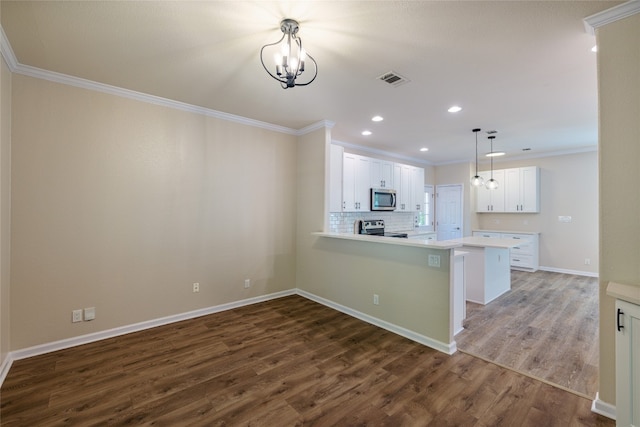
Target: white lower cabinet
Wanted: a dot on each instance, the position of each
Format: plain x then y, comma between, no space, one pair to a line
627,364
524,256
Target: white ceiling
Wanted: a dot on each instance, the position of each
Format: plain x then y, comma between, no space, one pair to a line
523,68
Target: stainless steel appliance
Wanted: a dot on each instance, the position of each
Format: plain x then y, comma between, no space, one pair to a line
383,199
375,227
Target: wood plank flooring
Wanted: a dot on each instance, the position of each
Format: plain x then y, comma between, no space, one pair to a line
547,327
286,362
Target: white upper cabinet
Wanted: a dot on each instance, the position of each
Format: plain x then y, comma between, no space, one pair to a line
402,183
381,174
356,182
491,200
417,182
518,191
522,192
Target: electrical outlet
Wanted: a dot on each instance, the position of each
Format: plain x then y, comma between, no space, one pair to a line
376,299
89,313
76,316
196,287
587,261
434,260
247,283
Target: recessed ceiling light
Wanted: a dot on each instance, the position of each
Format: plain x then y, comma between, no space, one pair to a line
496,154
377,118
424,149
594,49
366,132
454,109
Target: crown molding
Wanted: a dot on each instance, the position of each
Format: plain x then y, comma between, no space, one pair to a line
381,152
600,19
39,73
323,124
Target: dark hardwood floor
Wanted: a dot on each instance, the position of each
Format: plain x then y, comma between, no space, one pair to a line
285,362
547,327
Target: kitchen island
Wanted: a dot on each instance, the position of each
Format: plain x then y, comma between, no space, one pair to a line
412,287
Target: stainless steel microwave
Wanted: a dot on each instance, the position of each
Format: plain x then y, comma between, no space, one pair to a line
383,199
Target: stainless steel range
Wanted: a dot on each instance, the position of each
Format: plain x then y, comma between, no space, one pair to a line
375,227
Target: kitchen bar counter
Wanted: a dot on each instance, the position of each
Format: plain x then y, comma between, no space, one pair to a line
478,242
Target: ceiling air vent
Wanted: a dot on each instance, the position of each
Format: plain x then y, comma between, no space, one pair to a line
393,78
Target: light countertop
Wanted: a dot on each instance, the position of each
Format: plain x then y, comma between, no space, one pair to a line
629,293
480,242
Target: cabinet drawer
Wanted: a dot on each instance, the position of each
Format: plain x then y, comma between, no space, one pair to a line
486,234
523,248
523,237
518,260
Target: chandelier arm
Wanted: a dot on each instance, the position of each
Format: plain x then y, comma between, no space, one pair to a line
262,59
315,66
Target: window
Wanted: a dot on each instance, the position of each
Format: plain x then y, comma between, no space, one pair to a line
424,221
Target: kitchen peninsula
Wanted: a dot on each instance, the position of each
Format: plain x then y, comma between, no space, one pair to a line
412,287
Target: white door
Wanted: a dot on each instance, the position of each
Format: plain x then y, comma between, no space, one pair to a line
449,211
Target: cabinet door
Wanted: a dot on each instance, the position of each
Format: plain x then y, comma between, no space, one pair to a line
356,180
530,189
417,183
381,173
491,200
512,190
627,364
522,190
402,183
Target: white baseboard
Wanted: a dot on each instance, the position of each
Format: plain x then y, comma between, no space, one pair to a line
110,333
422,339
4,367
566,271
603,408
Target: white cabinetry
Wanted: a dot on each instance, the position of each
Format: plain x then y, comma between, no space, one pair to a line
381,173
522,189
491,200
402,183
518,191
417,182
524,256
627,361
356,183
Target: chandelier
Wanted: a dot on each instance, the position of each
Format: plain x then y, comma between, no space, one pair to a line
492,184
289,56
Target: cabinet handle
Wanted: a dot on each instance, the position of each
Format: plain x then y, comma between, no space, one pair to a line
516,259
620,326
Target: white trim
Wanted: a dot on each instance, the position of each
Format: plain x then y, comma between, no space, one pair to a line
603,408
566,271
323,124
27,70
600,19
136,327
4,368
398,330
381,152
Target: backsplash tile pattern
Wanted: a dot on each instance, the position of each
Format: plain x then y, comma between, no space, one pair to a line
342,222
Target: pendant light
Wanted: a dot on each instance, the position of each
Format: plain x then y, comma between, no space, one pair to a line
492,184
477,180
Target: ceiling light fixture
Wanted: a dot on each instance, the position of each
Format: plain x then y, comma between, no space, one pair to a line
377,118
366,132
492,184
289,56
477,180
424,149
454,109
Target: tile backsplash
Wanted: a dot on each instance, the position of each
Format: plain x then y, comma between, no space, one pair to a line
342,222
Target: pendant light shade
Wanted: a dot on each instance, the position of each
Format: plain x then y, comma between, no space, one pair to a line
492,184
477,180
